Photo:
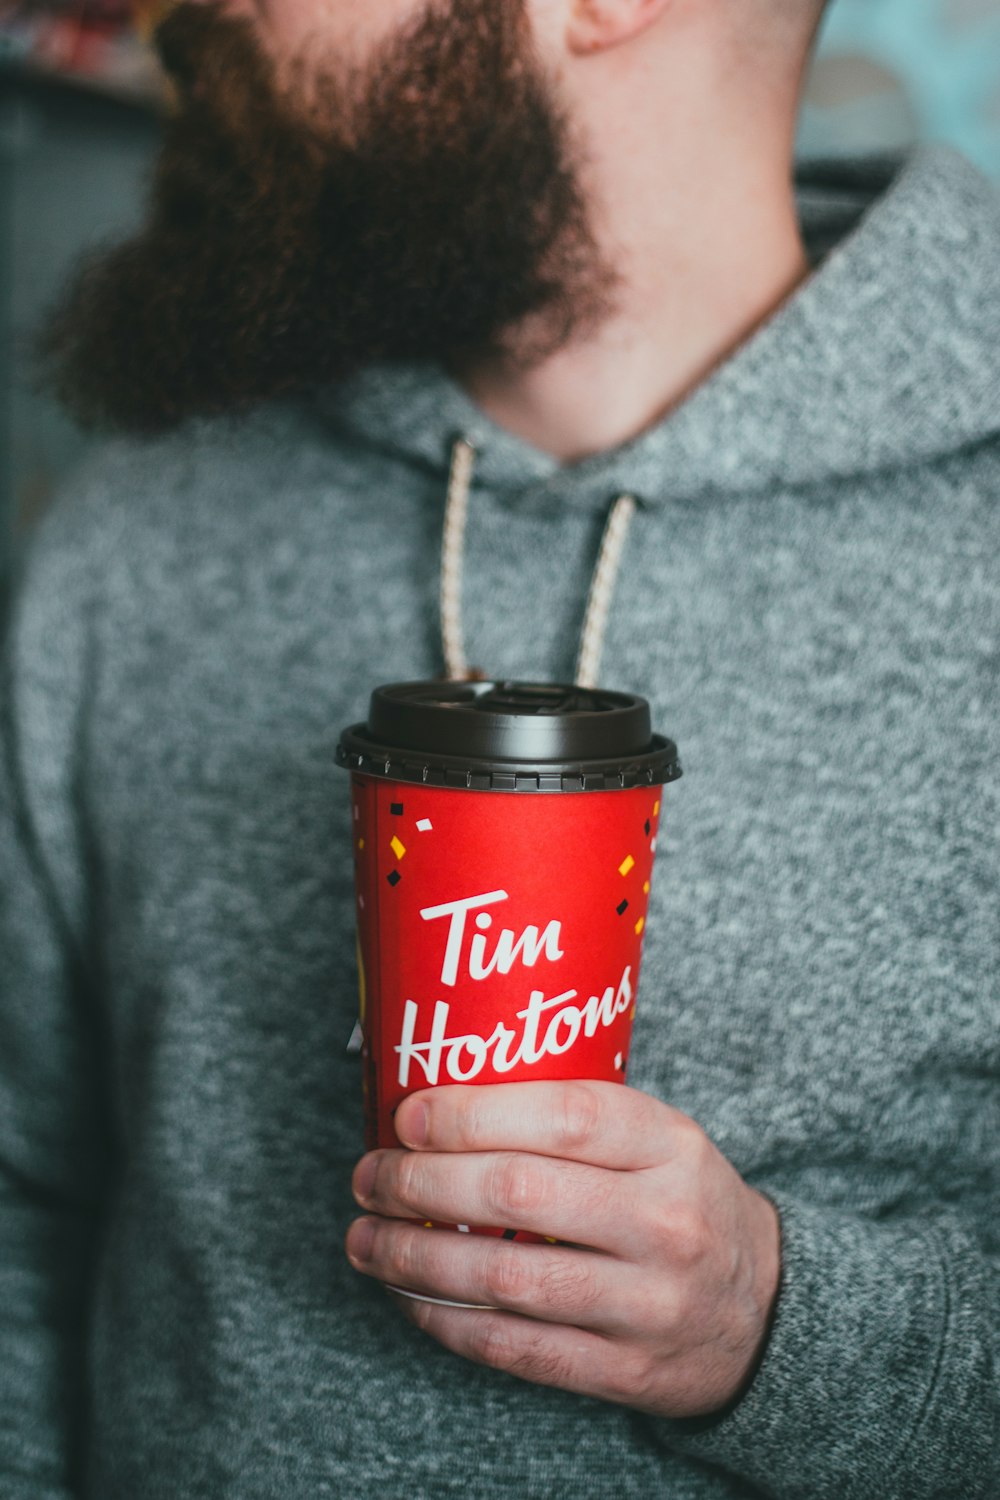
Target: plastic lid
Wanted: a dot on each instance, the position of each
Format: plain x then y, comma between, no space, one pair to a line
509,736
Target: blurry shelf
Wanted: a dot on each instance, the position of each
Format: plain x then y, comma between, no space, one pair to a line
112,64
113,90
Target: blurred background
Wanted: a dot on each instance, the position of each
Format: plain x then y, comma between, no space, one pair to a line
80,101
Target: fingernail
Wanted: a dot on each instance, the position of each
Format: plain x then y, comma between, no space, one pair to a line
364,1176
361,1239
416,1117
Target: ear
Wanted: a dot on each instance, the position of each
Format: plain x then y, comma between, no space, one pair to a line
596,25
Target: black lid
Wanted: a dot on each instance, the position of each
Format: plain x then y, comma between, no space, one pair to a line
509,736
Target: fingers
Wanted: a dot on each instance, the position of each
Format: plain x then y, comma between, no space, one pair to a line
602,1124
547,1282
507,1190
574,1359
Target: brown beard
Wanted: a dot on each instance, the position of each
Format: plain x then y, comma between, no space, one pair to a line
430,210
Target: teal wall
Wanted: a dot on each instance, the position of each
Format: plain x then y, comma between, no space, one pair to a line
72,174
888,72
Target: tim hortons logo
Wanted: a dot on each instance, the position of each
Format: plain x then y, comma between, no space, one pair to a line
549,1026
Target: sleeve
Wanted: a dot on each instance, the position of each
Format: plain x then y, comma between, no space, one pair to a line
880,1377
54,1137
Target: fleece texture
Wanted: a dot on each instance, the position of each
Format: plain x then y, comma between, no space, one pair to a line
808,598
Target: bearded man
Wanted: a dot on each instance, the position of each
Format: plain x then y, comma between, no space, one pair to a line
548,258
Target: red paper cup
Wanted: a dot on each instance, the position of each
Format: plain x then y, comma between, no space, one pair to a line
502,897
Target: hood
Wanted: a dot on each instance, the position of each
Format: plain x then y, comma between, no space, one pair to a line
887,356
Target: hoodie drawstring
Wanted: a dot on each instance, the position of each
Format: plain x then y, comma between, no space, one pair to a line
463,459
602,583
602,588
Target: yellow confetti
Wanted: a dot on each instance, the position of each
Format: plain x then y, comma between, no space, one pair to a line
626,865
656,808
645,887
428,1223
631,1014
640,925
550,1240
398,848
361,843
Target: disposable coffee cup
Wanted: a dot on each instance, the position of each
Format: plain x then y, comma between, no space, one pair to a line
504,838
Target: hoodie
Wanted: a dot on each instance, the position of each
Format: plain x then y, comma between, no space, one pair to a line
807,595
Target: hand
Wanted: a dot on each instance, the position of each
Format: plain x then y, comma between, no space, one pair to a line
666,1311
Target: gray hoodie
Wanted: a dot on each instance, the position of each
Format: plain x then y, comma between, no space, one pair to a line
808,596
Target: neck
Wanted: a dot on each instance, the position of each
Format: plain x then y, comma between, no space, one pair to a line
706,246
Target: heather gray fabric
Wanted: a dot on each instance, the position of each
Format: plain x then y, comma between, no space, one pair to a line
809,599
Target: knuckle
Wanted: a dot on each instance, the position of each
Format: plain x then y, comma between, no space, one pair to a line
405,1254
405,1181
506,1276
490,1344
567,1286
465,1127
695,1143
579,1118
687,1236
632,1377
515,1187
472,1122
671,1229
671,1315
494,1344
539,1361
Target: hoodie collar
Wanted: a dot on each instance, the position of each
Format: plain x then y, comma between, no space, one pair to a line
886,356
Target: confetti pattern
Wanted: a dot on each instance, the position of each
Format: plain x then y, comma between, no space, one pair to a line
628,864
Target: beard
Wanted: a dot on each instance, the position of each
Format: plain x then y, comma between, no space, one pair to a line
431,209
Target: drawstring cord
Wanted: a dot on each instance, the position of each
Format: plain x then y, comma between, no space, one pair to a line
463,459
602,583
602,588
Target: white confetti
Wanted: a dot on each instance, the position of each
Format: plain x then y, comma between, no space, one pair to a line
425,825
357,1039
618,1061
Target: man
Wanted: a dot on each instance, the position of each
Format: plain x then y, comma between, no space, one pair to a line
566,231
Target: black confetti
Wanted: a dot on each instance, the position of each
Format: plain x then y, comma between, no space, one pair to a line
394,877
621,908
396,808
509,1234
648,825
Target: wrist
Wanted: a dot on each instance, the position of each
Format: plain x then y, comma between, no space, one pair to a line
766,1283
